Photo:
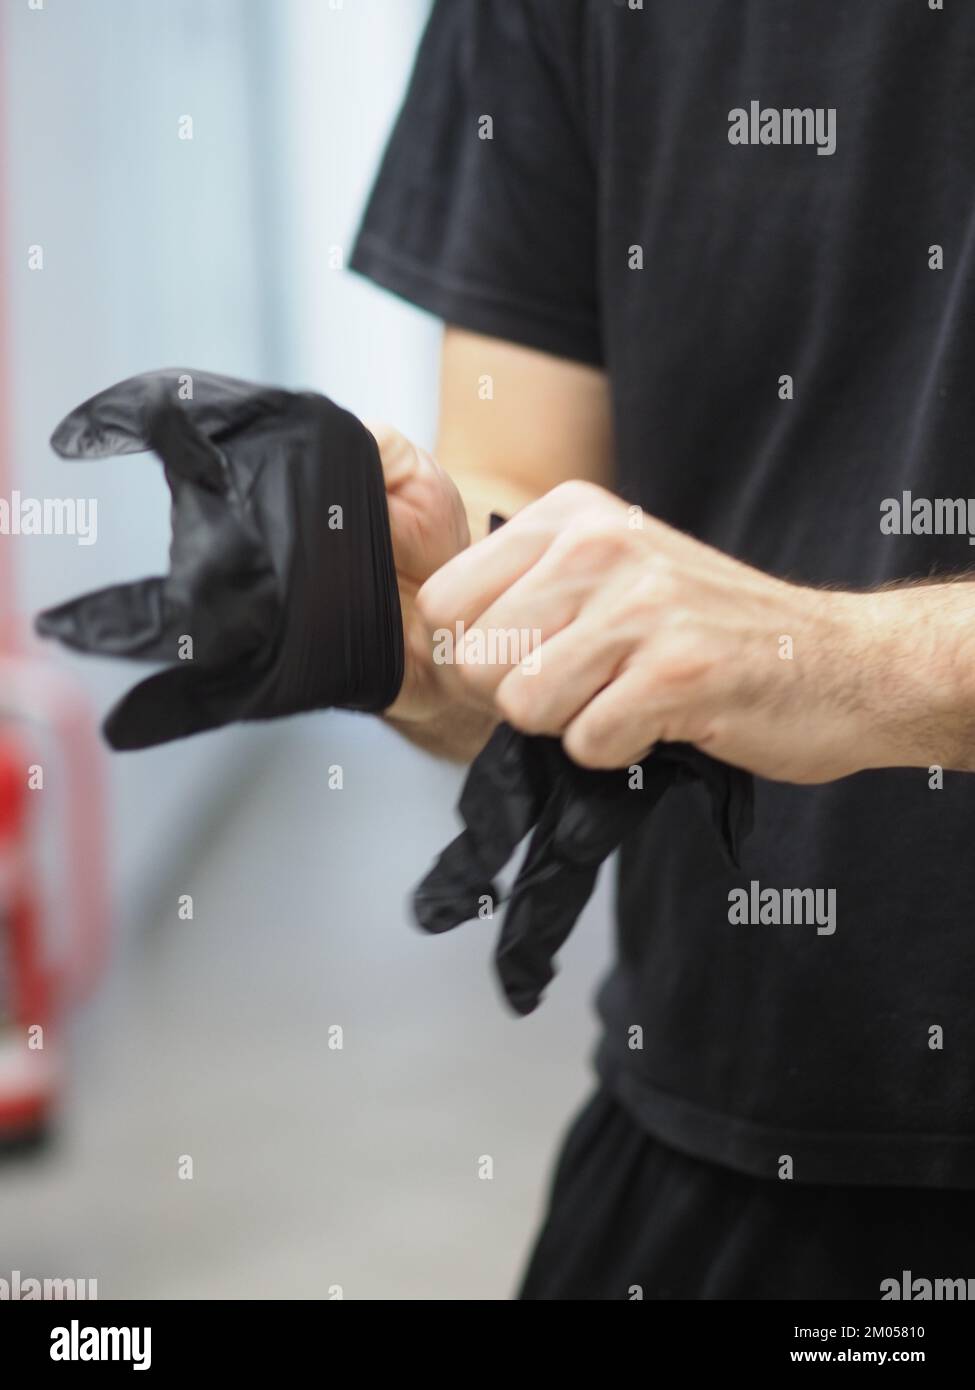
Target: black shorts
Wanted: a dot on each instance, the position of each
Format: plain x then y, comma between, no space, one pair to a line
629,1218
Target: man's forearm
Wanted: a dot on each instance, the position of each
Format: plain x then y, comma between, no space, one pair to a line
919,675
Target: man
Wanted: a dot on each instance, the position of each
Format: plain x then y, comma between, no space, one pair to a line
706,272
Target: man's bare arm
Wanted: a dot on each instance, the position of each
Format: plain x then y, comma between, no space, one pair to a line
545,421
680,641
513,424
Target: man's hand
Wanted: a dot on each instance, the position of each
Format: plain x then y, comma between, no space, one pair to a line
543,420
429,527
647,635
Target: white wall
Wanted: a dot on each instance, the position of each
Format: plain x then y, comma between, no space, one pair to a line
345,64
157,251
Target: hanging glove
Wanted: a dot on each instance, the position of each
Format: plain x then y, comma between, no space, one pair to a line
280,567
578,817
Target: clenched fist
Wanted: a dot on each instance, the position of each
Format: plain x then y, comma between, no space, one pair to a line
638,633
429,527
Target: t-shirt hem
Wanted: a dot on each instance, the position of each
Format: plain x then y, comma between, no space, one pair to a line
827,1158
479,309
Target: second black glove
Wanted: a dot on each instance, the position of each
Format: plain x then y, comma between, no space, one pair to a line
576,817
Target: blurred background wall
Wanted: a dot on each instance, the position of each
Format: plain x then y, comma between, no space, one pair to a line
314,1168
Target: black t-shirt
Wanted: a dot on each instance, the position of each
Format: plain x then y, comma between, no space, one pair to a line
610,219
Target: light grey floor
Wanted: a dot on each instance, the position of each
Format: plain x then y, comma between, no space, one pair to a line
314,1168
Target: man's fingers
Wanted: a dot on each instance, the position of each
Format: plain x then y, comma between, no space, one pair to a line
545,692
614,729
513,633
426,515
563,534
476,578
400,457
467,585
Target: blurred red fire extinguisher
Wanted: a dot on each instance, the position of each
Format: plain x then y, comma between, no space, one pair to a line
53,900
24,993
27,1081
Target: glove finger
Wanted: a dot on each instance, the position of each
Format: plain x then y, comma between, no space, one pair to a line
220,592
454,889
582,825
114,421
508,784
501,799
117,420
171,704
547,898
601,808
122,620
585,820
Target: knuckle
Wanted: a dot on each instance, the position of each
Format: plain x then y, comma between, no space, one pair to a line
431,605
656,589
680,660
396,452
586,746
385,434
577,494
593,546
519,708
680,620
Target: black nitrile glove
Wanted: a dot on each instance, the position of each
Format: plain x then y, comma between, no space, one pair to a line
578,817
281,561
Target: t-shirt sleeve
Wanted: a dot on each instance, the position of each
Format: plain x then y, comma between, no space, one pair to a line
484,210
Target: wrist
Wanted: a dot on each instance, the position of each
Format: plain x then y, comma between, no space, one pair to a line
913,691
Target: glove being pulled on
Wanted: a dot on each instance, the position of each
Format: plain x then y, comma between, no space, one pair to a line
577,817
281,562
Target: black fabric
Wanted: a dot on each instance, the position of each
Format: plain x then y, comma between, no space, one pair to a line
281,562
629,1218
610,132
577,817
